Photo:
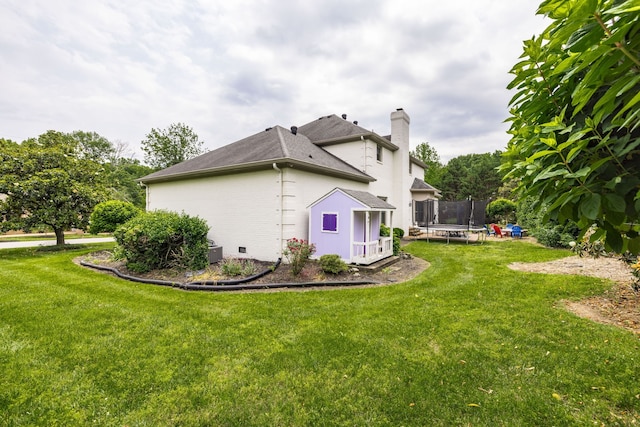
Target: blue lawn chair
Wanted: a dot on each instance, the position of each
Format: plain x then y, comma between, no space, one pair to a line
516,231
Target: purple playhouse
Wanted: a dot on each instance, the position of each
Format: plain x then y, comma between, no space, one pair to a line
347,223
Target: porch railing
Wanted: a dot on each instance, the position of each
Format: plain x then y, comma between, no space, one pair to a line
369,252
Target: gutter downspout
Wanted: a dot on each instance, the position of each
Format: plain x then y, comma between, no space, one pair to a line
277,169
146,193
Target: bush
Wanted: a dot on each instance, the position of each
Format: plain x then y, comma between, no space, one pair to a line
396,246
231,267
333,264
298,252
249,268
397,235
107,216
501,210
162,239
557,236
236,267
527,215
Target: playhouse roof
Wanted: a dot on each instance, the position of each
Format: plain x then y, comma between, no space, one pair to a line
365,198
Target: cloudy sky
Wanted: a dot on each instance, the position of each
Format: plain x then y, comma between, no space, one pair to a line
230,69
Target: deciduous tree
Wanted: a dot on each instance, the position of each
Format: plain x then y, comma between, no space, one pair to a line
471,175
46,181
167,147
429,156
575,118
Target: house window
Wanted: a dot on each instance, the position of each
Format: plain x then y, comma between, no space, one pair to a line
379,153
330,222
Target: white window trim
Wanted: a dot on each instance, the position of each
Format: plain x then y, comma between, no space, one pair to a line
337,230
381,157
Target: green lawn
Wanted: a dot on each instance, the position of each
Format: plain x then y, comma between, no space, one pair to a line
468,342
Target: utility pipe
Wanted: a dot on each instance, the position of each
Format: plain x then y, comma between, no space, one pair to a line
276,168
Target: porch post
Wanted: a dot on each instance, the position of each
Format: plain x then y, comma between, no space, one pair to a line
367,227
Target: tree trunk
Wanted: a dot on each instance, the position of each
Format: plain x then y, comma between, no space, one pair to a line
59,236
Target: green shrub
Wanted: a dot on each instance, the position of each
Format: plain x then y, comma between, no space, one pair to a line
557,236
501,210
527,215
333,264
249,268
397,235
237,267
231,267
162,239
107,216
396,246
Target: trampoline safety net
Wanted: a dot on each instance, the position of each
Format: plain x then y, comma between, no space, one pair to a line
465,213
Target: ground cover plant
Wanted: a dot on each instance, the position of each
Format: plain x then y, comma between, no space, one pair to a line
467,342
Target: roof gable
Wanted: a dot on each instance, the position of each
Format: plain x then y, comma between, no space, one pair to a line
421,186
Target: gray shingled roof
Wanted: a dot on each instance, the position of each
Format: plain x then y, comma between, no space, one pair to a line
368,199
330,127
420,185
333,129
260,151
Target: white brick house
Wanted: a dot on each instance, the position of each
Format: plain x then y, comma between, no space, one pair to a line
255,193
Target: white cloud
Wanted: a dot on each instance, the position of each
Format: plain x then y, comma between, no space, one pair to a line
229,69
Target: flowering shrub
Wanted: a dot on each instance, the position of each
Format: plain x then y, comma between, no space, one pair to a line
298,252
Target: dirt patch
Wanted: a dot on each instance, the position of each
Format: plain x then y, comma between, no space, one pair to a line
406,268
619,306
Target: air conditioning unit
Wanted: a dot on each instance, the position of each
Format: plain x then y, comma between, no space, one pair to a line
215,254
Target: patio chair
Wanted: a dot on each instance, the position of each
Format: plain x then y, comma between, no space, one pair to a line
496,230
516,231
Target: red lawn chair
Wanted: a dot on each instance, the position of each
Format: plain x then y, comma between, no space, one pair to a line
496,230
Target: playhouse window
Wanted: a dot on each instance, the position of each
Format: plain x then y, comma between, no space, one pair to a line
330,222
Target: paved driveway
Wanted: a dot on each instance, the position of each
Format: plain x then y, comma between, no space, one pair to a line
35,243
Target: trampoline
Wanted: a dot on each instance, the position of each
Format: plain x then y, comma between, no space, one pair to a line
457,220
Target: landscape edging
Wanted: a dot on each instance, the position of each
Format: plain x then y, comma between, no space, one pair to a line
227,285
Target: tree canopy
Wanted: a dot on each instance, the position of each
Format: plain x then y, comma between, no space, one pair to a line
471,175
167,147
575,118
46,181
429,156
